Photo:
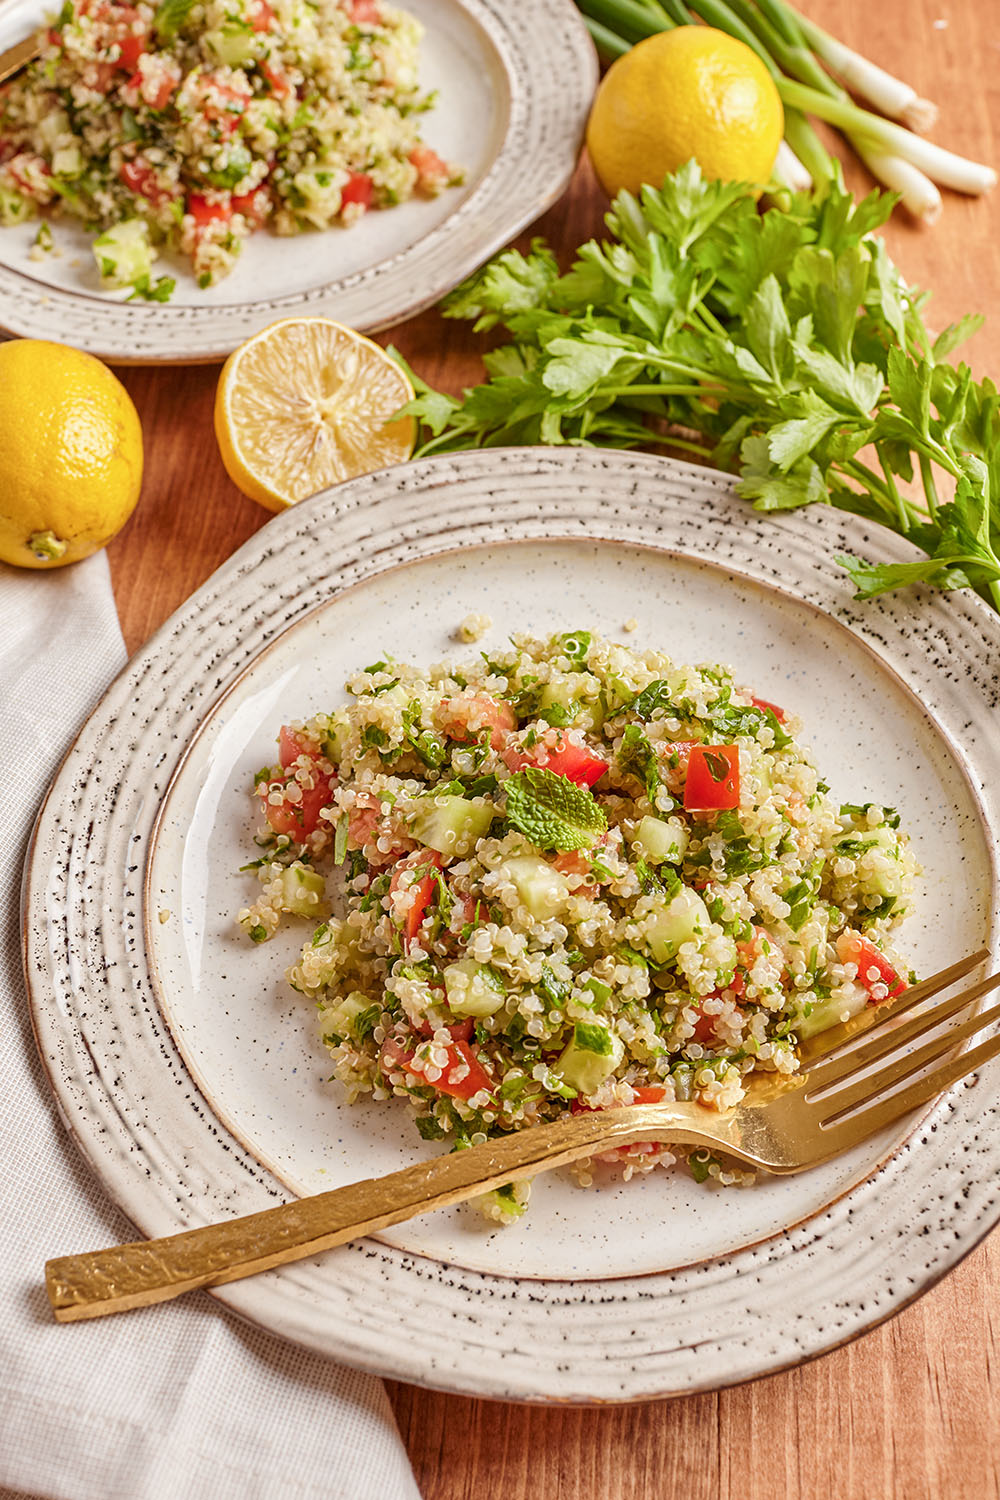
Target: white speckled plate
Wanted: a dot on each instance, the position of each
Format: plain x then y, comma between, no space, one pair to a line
514,81
191,1076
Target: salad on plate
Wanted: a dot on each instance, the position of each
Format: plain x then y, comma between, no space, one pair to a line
570,874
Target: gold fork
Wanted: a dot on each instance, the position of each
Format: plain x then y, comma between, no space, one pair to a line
20,55
784,1125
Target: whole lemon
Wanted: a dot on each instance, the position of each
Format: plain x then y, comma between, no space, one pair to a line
70,454
692,92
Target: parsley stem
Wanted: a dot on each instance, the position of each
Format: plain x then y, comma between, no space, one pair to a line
895,496
709,388
930,488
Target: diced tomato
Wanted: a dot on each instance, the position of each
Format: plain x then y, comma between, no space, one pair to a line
394,1054
220,100
762,703
461,1031
140,178
364,12
873,967
462,1059
713,778
363,820
704,1026
464,718
555,751
299,818
156,94
119,26
291,746
431,170
473,911
262,18
253,206
205,211
649,1094
423,887
280,86
130,49
357,189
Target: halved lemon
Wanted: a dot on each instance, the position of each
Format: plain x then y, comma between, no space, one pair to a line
306,403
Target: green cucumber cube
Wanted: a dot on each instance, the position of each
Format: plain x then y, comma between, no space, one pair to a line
543,889
302,890
591,1055
681,920
473,989
451,824
661,840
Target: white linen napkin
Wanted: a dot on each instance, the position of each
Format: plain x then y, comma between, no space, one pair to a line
184,1401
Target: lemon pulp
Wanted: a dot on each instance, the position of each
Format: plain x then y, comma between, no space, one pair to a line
305,404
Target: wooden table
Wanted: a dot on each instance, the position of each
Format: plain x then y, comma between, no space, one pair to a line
912,1410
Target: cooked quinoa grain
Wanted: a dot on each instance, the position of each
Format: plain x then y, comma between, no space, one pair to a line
192,123
570,874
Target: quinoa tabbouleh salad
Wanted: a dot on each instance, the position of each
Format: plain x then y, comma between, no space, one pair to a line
192,123
570,875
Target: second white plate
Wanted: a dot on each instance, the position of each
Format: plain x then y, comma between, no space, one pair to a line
514,81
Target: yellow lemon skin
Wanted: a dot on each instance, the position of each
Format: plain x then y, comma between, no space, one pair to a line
70,454
305,404
692,92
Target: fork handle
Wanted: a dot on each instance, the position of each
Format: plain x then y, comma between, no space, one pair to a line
148,1271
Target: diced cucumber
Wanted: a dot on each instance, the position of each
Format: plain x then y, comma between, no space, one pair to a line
335,739
67,161
15,208
123,253
661,840
591,1055
810,939
560,702
473,989
450,824
302,890
342,1019
232,45
681,920
543,889
860,844
505,1204
829,1012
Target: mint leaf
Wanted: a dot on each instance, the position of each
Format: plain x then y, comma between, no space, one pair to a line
552,811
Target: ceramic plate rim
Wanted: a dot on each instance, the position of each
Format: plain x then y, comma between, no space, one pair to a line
260,1301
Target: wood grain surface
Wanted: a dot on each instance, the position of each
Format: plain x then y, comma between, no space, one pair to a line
911,1410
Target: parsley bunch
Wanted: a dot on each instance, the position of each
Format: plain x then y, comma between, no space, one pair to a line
785,345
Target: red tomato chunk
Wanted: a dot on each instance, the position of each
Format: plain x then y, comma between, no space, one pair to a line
423,887
873,967
762,703
556,752
713,778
